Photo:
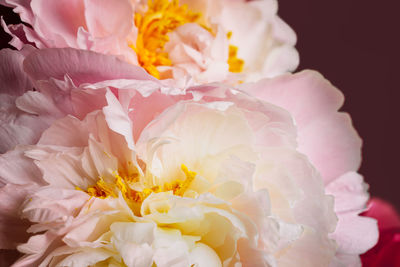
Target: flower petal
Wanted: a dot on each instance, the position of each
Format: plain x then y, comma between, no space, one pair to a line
325,136
13,80
12,229
80,66
16,168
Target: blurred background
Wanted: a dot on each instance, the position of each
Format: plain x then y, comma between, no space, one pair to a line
355,44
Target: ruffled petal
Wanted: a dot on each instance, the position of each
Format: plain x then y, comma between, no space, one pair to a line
13,80
12,228
325,136
80,66
16,168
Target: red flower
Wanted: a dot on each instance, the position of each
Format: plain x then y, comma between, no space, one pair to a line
386,252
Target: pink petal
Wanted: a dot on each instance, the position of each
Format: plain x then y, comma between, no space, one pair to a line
13,80
118,120
66,132
147,108
24,118
355,234
251,256
350,193
348,260
22,35
340,142
22,7
58,20
36,245
104,17
85,101
325,136
16,168
36,103
61,166
51,204
17,40
81,66
12,229
16,127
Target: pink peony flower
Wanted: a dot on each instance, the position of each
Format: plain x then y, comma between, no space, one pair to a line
26,112
195,41
213,176
17,126
387,251
314,104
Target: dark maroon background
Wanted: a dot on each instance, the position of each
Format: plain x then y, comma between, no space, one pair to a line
355,44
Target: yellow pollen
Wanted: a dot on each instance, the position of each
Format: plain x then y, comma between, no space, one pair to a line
161,18
189,179
179,187
235,64
103,189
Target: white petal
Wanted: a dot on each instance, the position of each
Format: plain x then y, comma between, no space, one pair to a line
204,256
87,257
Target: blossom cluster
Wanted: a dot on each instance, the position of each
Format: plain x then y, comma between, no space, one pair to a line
172,133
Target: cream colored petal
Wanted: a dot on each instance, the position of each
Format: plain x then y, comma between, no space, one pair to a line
86,257
203,256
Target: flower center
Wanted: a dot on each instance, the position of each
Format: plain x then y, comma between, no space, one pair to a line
235,64
103,189
161,18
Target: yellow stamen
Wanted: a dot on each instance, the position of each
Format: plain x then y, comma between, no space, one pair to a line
235,64
103,189
161,18
185,184
179,187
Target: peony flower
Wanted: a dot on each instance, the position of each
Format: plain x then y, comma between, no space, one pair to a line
314,104
27,111
192,41
211,176
18,126
386,252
